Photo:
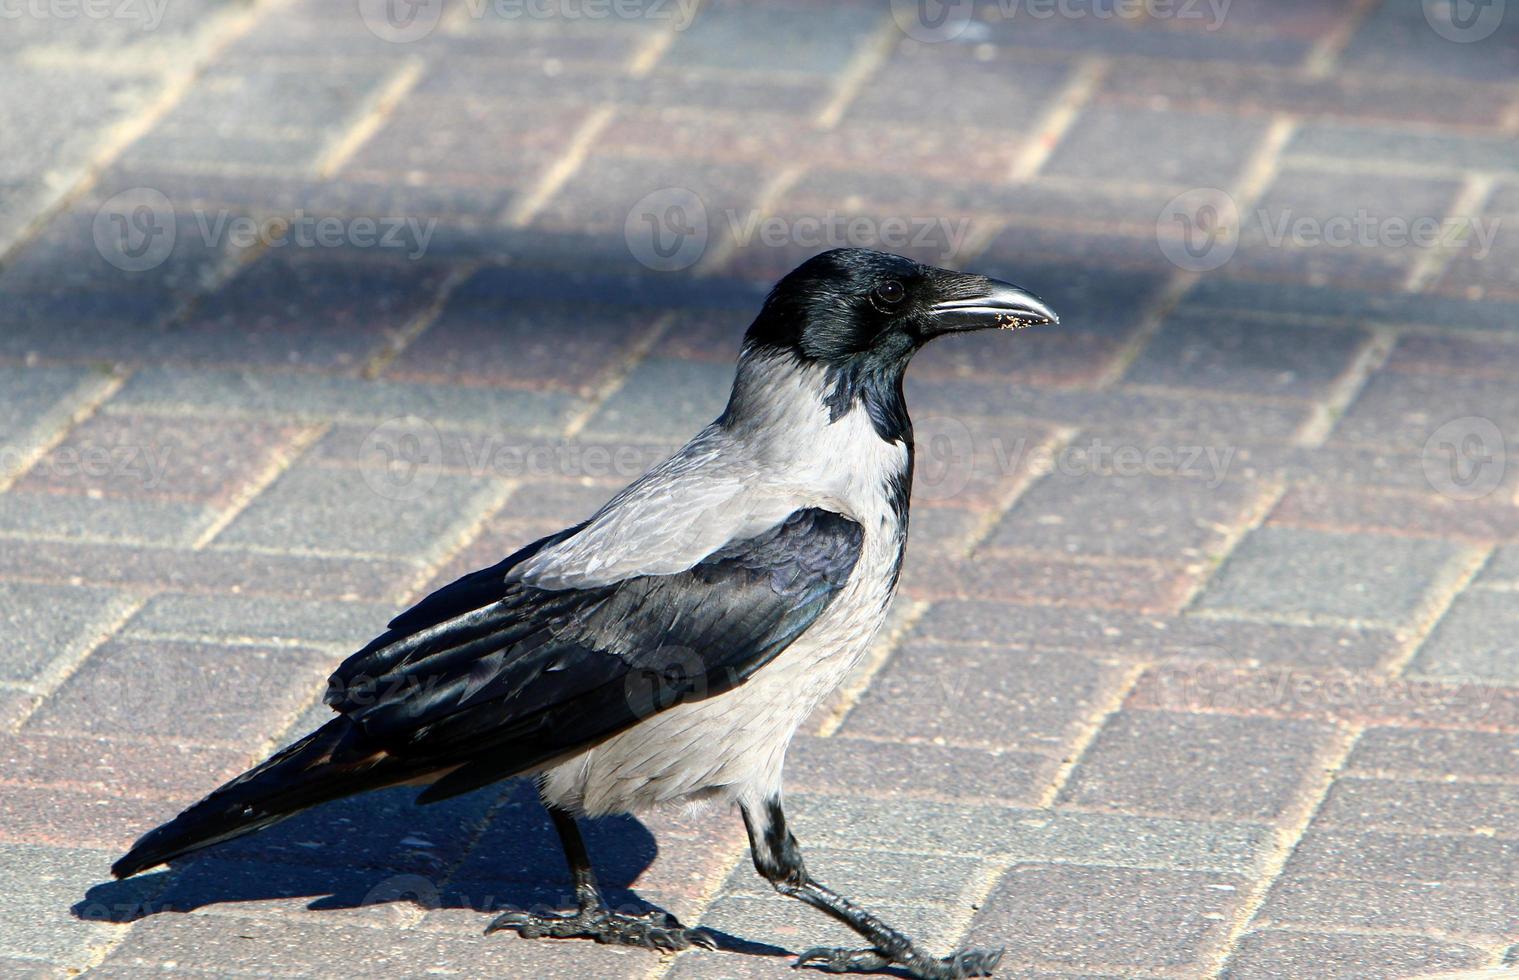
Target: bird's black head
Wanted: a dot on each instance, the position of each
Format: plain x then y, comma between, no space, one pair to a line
857,309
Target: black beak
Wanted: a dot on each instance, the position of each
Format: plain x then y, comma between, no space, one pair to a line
981,303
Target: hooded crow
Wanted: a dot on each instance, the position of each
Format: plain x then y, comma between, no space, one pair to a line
668,647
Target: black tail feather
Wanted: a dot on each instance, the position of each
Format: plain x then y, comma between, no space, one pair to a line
290,781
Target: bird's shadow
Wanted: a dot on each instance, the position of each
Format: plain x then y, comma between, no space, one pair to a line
490,851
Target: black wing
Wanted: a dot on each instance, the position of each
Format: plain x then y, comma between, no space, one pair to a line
501,676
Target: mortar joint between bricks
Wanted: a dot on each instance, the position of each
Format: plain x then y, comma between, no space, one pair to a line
1096,720
1447,586
1288,832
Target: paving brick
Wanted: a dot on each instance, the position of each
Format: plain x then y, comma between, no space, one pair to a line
1109,632
32,395
1284,571
62,816
46,622
1110,916
1438,807
102,519
194,691
1141,586
1152,37
1024,835
1202,149
1255,89
50,562
267,98
1197,351
663,399
566,346
337,510
1473,639
1203,765
1307,903
1333,695
1423,751
242,393
297,948
773,38
1147,516
980,697
1267,954
1340,142
158,458
1403,411
882,768
1341,301
311,309
1421,515
1465,356
1401,39
40,920
113,767
1406,857
1324,227
231,618
911,83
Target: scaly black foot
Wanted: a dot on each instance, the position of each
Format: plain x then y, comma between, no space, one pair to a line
652,930
965,963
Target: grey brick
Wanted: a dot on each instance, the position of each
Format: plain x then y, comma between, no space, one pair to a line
337,510
1441,806
1398,38
62,515
30,396
1475,638
1343,302
731,35
1270,954
1434,751
1182,148
45,622
1195,350
984,697
1116,633
192,691
1307,902
1407,857
1402,411
325,399
1025,834
1288,572
250,617
882,768
1125,516
1341,142
664,399
1109,916
46,911
1202,765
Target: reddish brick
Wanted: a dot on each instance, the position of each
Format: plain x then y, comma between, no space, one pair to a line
980,697
1435,752
1213,766
1439,806
884,768
1270,954
157,457
186,690
113,767
1423,515
1142,586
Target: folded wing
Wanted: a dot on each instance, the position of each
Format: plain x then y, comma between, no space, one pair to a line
493,676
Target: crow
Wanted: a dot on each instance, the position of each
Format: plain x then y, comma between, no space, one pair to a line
668,647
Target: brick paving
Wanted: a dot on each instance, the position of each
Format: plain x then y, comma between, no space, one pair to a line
1204,665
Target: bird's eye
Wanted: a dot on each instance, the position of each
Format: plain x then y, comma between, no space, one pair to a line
890,292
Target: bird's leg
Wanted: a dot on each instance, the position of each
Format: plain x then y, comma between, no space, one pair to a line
778,859
592,919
